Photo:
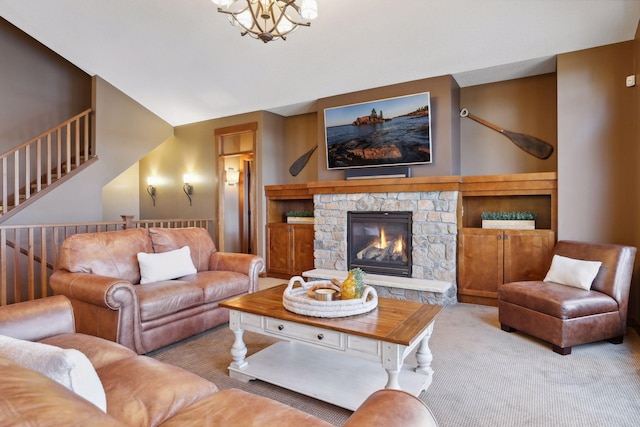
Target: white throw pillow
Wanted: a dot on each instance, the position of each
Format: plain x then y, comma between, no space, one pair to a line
69,367
572,272
166,265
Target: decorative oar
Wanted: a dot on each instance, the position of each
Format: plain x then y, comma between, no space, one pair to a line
297,166
532,145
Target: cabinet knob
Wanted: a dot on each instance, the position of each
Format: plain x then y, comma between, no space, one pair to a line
499,236
320,337
280,327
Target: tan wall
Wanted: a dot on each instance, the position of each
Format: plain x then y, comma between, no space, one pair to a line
301,135
39,89
597,159
125,131
445,100
194,150
526,106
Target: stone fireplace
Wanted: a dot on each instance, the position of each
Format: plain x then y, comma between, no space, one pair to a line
433,240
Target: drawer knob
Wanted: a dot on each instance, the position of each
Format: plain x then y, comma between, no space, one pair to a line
320,337
280,327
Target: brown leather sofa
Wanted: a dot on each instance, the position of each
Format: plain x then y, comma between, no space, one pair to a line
566,316
100,274
141,391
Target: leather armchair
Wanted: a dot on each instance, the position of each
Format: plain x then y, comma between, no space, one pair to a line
566,316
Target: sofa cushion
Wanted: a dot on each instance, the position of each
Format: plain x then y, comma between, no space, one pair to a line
142,391
68,367
198,240
100,352
572,272
161,299
112,254
219,285
562,302
28,398
166,265
234,407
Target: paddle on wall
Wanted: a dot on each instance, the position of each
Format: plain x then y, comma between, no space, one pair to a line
532,145
297,166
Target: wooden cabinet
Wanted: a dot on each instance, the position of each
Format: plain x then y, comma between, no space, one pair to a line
490,258
290,249
487,258
289,246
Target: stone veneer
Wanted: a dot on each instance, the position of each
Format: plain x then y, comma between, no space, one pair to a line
434,236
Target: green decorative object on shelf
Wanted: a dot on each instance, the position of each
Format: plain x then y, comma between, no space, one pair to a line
509,220
300,217
509,216
300,214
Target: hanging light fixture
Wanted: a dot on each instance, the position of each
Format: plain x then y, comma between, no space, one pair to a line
268,19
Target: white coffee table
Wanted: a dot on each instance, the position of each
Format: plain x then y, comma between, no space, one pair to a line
338,360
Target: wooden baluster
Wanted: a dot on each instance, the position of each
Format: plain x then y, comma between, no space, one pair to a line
44,277
27,172
30,266
59,156
69,164
3,266
16,178
39,165
17,291
48,159
4,186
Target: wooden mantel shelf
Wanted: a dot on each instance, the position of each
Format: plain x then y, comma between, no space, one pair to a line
526,181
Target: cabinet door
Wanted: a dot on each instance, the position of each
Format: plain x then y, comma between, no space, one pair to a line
278,248
481,262
527,254
302,254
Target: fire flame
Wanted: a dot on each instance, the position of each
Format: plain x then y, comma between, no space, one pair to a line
382,243
399,247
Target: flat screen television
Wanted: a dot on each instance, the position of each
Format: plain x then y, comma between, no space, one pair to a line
386,132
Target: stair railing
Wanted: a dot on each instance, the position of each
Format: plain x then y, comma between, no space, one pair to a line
31,167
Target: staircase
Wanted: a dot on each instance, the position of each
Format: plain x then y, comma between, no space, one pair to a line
38,165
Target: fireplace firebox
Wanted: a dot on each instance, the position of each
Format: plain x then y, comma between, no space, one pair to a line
380,242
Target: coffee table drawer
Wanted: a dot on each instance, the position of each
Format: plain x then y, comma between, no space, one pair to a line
310,334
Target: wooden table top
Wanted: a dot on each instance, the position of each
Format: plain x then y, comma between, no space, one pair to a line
396,321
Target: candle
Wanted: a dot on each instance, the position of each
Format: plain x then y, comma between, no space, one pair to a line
324,294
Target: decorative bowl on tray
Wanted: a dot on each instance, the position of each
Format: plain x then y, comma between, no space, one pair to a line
308,299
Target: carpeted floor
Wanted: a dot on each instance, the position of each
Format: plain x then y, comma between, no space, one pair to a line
483,376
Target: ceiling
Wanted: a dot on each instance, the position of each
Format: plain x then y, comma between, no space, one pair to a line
182,59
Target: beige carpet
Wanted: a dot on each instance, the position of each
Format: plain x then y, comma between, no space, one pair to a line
483,376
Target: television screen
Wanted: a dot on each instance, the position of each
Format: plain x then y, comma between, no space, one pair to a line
392,131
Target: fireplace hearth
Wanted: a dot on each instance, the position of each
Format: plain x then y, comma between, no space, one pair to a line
380,242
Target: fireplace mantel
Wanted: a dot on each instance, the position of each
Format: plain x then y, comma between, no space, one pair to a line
383,185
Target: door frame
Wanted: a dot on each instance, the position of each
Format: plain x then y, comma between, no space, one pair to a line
250,192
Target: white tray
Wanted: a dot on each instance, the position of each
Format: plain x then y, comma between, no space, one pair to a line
298,301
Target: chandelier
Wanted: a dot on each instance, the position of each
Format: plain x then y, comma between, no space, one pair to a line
268,19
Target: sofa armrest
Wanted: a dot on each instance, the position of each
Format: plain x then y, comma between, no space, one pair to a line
103,291
251,265
392,408
38,319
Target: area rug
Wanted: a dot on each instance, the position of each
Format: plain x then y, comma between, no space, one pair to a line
483,375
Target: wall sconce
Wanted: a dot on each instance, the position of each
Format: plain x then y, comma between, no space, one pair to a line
233,176
151,189
187,188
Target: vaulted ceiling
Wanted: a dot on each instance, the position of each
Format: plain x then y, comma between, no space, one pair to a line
183,61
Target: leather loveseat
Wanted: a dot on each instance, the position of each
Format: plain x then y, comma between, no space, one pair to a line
141,391
101,274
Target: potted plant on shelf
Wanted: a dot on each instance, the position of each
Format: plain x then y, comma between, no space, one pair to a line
509,220
300,217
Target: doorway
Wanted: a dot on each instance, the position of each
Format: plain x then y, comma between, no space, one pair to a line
236,188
